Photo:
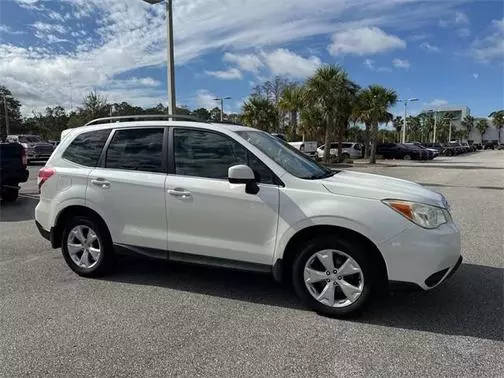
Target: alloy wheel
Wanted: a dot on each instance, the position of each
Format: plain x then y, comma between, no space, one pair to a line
83,246
333,278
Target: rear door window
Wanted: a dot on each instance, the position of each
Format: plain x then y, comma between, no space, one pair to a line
136,150
86,148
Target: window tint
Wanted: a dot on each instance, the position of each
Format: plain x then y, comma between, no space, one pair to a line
346,145
87,147
136,149
208,154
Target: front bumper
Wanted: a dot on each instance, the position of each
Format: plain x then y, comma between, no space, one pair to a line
422,257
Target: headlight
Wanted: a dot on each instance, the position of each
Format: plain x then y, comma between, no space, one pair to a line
425,216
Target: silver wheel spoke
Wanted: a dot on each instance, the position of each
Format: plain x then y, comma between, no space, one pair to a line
95,253
91,237
326,259
79,234
312,275
84,260
74,248
348,267
327,295
350,291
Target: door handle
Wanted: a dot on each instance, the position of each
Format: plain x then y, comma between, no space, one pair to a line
179,193
101,182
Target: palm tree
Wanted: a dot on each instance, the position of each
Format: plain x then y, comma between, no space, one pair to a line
427,125
414,127
398,124
468,123
498,121
260,113
372,108
482,126
330,92
292,101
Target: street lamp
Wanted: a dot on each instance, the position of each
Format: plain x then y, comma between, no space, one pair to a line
170,65
405,100
6,110
221,99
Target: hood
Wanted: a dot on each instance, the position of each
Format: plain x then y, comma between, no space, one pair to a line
357,184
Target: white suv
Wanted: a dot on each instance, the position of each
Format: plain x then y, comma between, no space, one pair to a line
350,150
233,196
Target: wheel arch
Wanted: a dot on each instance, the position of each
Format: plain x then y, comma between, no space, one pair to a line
307,233
71,211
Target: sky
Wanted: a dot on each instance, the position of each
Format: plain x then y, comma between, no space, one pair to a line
441,52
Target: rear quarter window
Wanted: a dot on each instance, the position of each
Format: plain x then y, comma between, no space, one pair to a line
86,148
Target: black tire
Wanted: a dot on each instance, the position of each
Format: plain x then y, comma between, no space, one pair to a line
10,195
407,157
104,261
346,157
352,249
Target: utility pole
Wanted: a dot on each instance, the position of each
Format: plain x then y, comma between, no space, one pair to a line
221,99
6,110
406,100
170,62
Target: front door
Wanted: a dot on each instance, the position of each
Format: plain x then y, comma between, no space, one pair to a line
209,216
128,189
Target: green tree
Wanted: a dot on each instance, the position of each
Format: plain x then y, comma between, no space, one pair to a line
398,124
468,123
273,90
13,112
372,108
215,114
498,121
329,92
260,113
291,102
201,113
482,126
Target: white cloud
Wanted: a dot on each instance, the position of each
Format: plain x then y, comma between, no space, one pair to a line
7,30
136,82
230,74
491,47
475,75
464,32
205,99
428,47
45,27
364,41
458,18
401,63
288,63
437,102
370,63
246,62
461,18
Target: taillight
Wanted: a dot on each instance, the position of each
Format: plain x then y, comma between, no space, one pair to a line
24,159
44,175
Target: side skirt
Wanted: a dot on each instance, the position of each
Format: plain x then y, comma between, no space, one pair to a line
190,258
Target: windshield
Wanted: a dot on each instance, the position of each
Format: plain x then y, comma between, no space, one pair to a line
289,158
29,139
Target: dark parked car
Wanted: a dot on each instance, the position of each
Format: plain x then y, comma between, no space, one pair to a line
432,152
12,170
36,148
400,151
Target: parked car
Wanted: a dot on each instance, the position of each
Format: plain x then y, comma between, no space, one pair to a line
351,150
432,152
12,170
399,151
308,148
36,148
233,196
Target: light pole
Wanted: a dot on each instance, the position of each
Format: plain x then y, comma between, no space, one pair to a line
405,100
221,99
6,110
170,65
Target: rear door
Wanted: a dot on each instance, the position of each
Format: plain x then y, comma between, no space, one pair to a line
127,189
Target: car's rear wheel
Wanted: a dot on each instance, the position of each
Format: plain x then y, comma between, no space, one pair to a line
86,247
407,157
334,277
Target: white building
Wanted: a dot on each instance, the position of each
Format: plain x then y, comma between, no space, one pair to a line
460,112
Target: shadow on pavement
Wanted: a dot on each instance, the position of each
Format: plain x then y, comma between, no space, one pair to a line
470,304
21,210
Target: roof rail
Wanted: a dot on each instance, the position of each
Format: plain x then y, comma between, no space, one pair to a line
145,118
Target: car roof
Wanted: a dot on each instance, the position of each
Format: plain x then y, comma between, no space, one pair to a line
202,125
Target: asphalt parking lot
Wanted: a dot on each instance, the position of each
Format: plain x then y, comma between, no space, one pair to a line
149,318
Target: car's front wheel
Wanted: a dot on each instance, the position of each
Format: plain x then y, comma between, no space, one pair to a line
334,277
86,247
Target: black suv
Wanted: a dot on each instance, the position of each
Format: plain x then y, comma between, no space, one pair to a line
400,151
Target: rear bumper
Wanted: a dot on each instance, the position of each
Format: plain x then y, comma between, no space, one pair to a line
48,235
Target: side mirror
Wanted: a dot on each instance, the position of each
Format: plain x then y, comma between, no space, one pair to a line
243,174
